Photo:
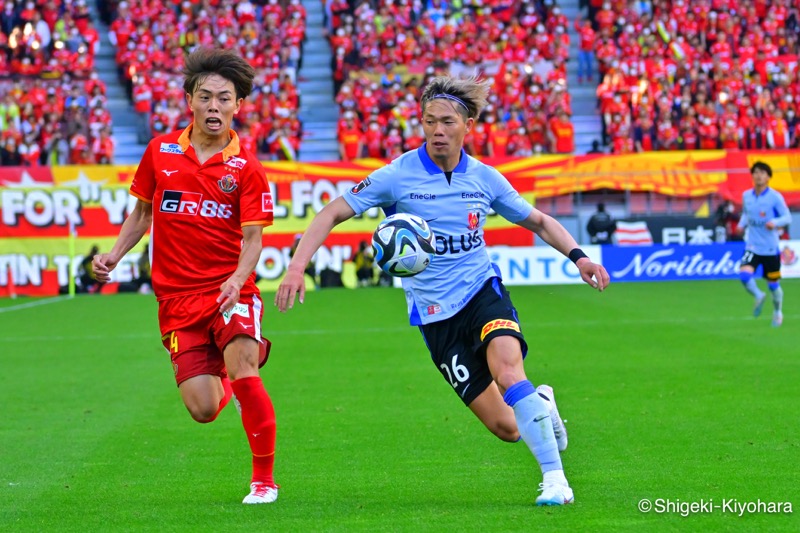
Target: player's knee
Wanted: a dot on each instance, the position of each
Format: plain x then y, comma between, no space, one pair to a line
242,357
773,285
745,276
244,371
203,413
507,377
504,357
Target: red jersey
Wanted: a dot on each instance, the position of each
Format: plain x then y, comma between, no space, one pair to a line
564,133
199,211
587,36
351,139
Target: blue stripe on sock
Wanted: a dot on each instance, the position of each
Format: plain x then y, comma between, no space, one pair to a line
745,276
773,285
518,391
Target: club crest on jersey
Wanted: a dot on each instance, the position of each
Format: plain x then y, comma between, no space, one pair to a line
171,148
473,220
236,162
227,183
361,186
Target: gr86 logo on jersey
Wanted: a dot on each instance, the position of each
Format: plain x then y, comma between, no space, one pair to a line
192,203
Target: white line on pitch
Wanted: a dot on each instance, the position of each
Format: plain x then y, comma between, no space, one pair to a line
35,303
528,327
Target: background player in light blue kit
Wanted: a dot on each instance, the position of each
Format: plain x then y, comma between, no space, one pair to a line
459,302
764,215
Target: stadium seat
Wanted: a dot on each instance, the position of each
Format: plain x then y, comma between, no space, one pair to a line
679,205
698,202
564,205
638,203
546,205
659,203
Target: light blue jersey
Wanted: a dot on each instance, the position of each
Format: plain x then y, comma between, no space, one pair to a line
455,211
769,206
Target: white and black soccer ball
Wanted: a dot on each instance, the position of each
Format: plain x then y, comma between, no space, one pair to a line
404,245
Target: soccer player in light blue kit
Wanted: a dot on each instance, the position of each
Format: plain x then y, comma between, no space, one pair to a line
764,215
459,302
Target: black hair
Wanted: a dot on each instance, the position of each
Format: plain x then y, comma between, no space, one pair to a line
760,165
228,64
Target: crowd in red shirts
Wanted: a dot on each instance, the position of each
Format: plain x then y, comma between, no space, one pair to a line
384,53
153,36
672,74
52,106
705,74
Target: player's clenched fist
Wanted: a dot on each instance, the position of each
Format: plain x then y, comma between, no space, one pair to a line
102,265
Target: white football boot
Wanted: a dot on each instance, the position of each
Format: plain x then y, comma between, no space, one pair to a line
555,493
261,493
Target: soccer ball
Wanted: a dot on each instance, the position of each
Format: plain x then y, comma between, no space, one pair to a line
403,245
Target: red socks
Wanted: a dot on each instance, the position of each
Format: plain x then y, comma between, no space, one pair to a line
226,386
258,419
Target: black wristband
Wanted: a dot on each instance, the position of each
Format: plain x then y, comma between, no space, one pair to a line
575,254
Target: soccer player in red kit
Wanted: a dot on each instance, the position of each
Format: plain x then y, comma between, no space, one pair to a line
208,200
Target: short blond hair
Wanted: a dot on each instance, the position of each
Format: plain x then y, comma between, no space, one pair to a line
468,94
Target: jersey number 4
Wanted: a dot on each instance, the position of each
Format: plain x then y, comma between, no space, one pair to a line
173,342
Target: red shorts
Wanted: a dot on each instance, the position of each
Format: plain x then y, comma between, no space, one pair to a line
195,333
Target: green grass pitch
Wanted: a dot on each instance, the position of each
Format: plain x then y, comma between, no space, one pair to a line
671,391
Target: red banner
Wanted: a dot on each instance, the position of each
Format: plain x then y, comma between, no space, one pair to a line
37,204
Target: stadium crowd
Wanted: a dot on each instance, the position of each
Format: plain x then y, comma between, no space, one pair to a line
52,104
152,38
385,52
670,74
708,74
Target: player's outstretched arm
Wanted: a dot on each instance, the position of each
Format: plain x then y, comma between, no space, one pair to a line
293,283
132,231
557,236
